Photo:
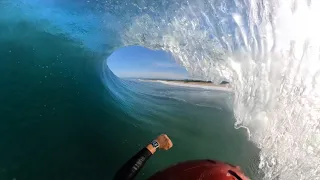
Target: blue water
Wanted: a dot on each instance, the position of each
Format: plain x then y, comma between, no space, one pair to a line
65,115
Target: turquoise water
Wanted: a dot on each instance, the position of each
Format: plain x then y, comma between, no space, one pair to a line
64,115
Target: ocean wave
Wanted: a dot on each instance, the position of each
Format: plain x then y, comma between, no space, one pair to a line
268,50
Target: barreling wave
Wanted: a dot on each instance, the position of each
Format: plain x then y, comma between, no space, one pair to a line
268,49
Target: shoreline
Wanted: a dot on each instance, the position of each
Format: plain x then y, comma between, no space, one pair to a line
192,84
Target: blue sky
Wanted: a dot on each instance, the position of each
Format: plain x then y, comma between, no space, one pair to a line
139,62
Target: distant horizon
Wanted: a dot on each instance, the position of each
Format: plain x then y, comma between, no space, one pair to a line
184,80
193,79
164,79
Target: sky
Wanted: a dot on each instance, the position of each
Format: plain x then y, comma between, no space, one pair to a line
140,62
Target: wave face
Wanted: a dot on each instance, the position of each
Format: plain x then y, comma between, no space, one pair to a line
268,49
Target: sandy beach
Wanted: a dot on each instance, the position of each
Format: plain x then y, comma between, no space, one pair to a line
200,84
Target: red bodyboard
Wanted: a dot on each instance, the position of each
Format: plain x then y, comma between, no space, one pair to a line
200,170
